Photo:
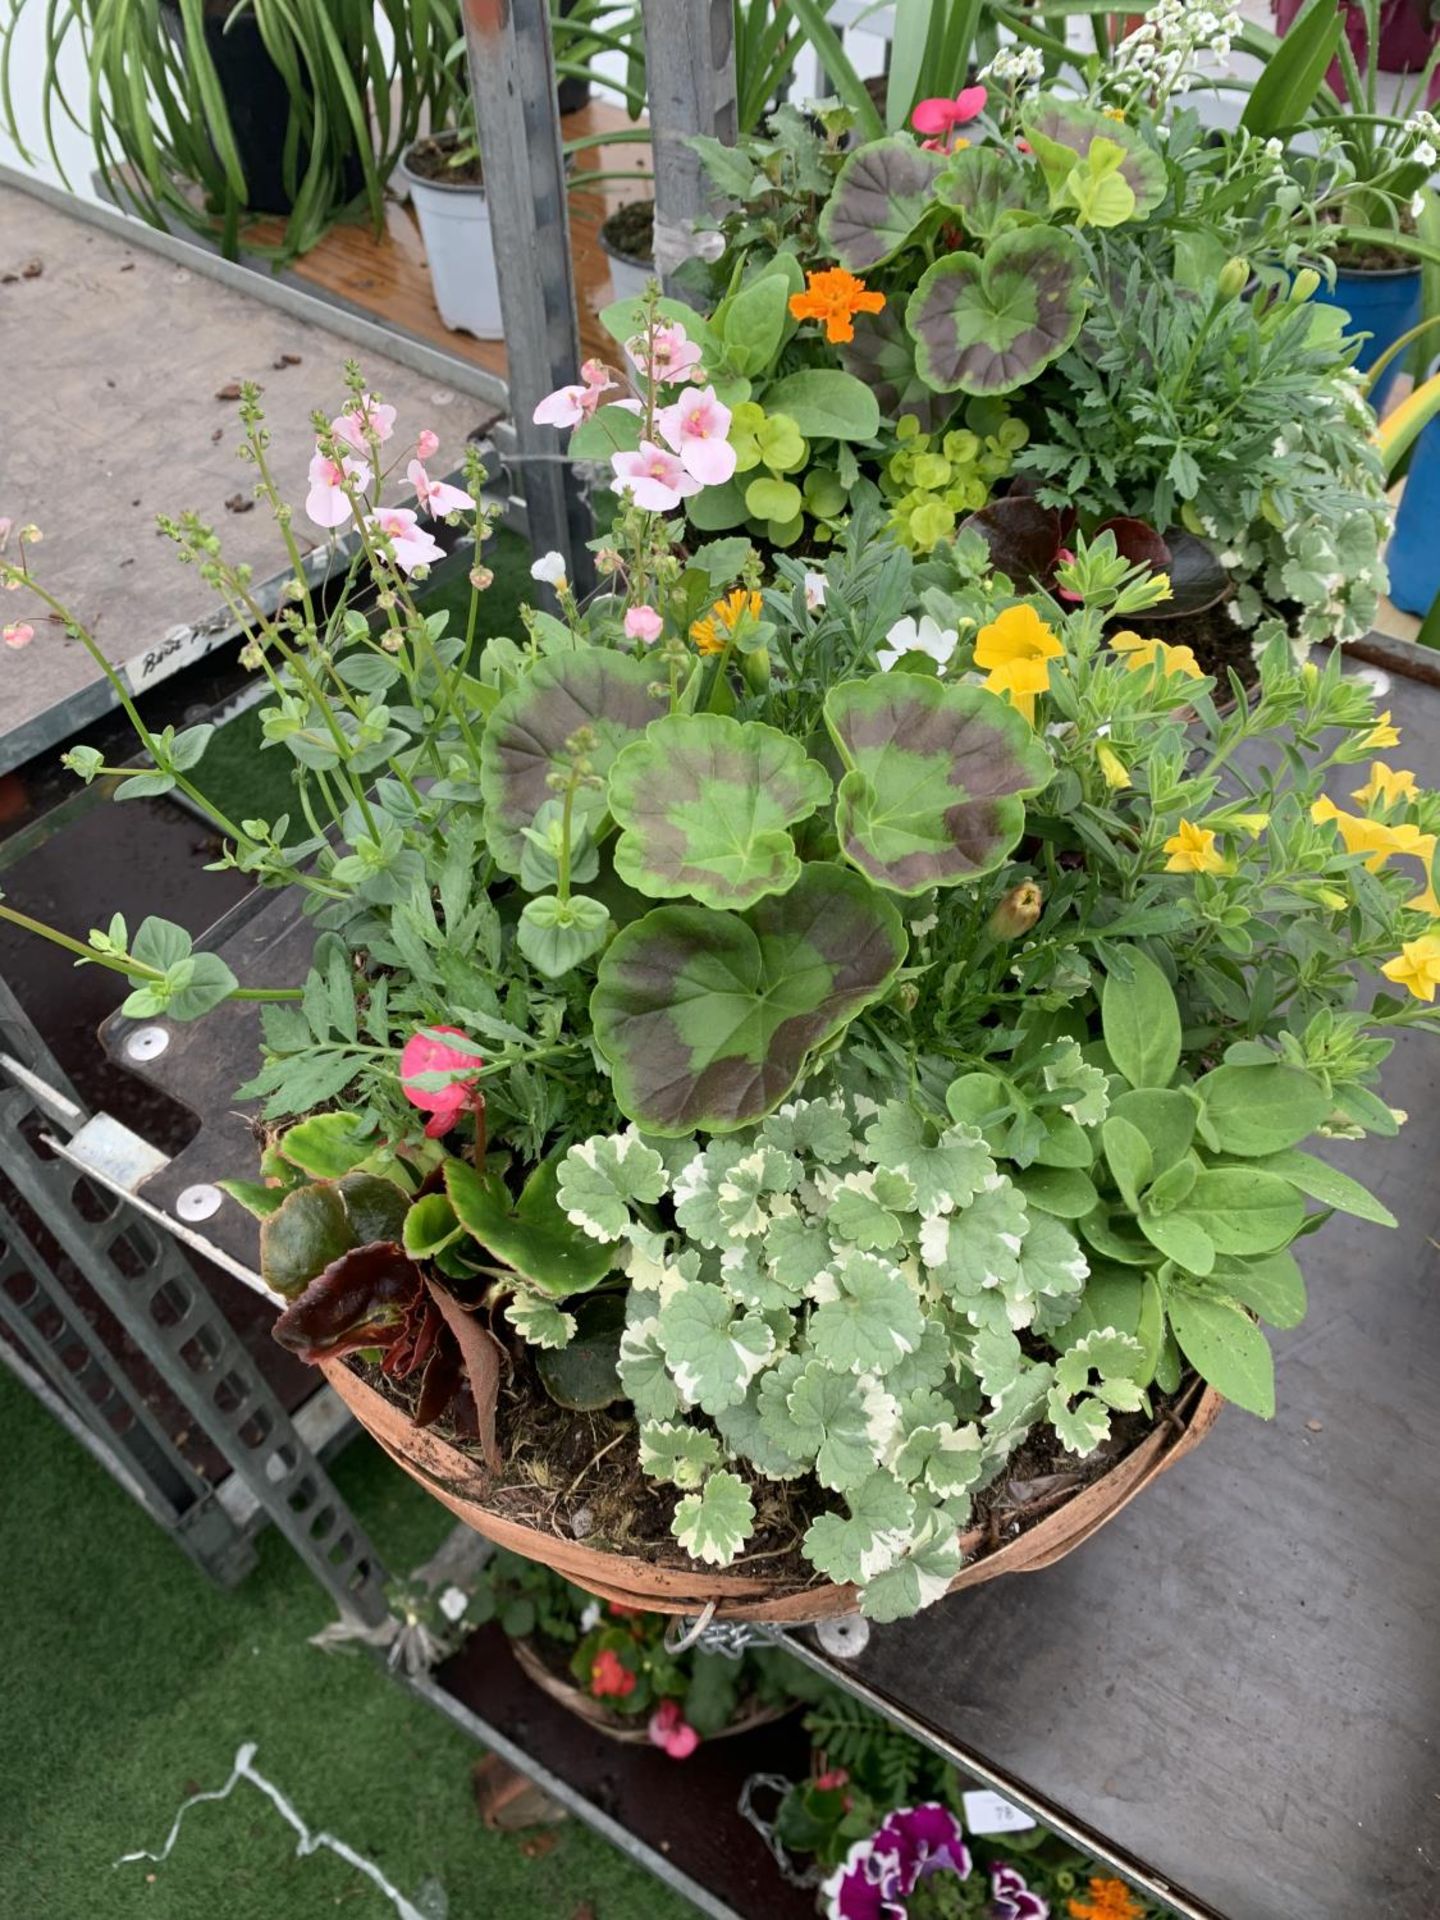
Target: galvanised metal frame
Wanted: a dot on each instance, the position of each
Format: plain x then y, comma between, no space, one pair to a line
46,1143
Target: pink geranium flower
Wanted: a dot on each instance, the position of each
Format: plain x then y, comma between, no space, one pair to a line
696,426
326,502
19,635
643,623
669,1729
943,116
435,496
425,1054
669,355
653,478
371,417
411,545
427,444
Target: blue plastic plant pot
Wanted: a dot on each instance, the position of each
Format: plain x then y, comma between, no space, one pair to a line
1383,302
1413,555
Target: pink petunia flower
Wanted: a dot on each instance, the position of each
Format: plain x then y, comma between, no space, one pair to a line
411,545
643,623
427,444
942,116
696,426
19,635
435,496
669,1729
369,417
654,479
668,356
326,503
423,1054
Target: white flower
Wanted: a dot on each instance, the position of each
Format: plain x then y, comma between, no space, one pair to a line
590,1618
1425,155
709,245
815,585
1274,149
550,568
925,636
1417,205
453,1602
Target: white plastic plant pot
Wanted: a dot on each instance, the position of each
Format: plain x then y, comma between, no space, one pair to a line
628,278
455,227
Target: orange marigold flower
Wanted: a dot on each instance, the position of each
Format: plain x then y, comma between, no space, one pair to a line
1107,1900
711,634
835,297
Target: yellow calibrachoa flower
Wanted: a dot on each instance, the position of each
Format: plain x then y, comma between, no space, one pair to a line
1192,849
1139,652
1382,734
1386,785
711,634
1379,840
1252,823
1113,767
1417,966
1015,648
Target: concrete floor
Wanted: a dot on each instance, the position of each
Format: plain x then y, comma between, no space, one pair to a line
115,363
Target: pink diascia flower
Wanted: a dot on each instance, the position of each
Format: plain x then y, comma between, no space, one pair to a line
427,444
568,406
941,116
669,355
19,635
424,1054
669,1729
653,478
435,496
369,417
412,546
696,426
643,623
326,503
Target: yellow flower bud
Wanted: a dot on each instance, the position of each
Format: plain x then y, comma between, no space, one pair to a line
1331,897
1234,276
1304,285
1250,822
1113,767
1017,912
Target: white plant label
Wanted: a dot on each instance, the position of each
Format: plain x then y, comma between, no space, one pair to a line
986,1812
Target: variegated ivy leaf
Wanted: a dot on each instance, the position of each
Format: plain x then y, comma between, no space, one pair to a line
1118,1361
798,1251
1079,1428
682,1455
772,1405
996,1358
713,1348
846,1420
745,1433
707,1019
745,1194
818,1129
975,1255
1088,1087
990,323
926,1365
870,1319
937,774
747,1274
696,1192
714,1524
525,738
865,1208
853,1548
880,196
539,1321
921,1577
946,1458
926,1407
1015,1409
947,1169
644,1373
1051,1264
705,805
601,1177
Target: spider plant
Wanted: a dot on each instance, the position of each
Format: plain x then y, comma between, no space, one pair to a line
165,134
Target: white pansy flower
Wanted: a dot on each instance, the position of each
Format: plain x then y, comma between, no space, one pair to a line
550,568
815,585
923,636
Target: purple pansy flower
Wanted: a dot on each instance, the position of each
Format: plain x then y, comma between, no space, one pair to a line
1012,1898
879,1874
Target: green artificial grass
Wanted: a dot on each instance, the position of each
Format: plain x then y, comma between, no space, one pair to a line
130,1682
249,781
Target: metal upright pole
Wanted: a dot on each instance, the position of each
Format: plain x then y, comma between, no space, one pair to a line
512,77
690,67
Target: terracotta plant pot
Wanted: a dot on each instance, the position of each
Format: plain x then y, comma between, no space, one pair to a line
629,1729
463,1485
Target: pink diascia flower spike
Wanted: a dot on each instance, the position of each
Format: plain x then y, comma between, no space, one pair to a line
568,406
425,1054
653,478
427,444
696,426
412,546
326,502
437,496
668,356
369,417
943,116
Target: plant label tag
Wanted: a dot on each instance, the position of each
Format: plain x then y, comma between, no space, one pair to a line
986,1812
178,649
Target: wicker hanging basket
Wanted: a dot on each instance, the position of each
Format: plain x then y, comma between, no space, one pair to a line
463,1485
627,1729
